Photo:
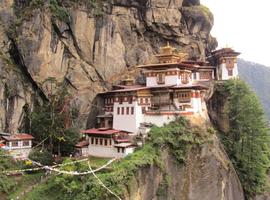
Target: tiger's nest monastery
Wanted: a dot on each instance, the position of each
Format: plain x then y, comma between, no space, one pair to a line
174,86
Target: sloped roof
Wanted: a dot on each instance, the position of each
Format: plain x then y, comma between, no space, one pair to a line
82,144
100,131
2,145
124,145
15,137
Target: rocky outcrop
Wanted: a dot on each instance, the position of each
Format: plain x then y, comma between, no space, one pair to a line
208,174
96,45
217,107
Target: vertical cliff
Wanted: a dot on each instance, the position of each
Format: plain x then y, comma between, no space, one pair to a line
207,175
88,45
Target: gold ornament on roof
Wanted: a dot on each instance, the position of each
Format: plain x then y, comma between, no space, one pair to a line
169,54
129,80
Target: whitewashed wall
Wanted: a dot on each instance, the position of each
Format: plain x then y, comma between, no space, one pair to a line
224,72
159,120
126,122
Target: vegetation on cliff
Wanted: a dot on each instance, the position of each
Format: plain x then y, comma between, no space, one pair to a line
6,184
179,137
257,77
52,123
247,142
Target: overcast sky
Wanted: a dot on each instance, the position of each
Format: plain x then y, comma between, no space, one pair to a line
243,25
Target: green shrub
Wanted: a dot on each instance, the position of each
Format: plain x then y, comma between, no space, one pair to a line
42,156
59,11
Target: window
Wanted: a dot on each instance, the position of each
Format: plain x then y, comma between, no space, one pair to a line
101,141
132,110
15,144
127,111
96,141
123,111
105,142
230,72
230,63
118,111
184,96
195,76
160,78
130,100
206,75
110,142
26,143
146,100
118,149
120,100
123,150
92,140
182,108
184,78
143,110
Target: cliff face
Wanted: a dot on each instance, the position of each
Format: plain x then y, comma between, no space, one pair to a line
207,175
90,50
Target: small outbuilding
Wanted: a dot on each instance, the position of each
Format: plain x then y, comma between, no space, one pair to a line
105,142
17,145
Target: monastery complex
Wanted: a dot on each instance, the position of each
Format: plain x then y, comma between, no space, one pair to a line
174,86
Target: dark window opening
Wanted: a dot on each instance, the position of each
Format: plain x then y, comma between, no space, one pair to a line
127,111
26,143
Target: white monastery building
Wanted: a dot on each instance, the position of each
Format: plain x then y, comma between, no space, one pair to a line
18,145
174,87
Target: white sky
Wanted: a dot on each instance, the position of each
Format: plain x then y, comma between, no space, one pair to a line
243,25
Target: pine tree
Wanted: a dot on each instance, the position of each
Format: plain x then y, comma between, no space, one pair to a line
247,142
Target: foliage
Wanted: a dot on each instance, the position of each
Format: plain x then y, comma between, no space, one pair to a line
59,11
199,12
42,156
178,137
50,122
257,77
247,142
6,163
70,137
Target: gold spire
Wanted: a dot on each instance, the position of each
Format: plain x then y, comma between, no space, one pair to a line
168,54
167,49
129,80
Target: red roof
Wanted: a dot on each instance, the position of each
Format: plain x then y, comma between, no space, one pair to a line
22,136
128,86
82,144
122,140
167,65
136,89
191,86
100,131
